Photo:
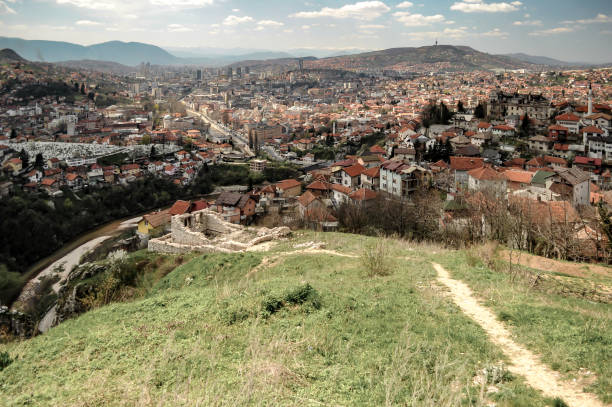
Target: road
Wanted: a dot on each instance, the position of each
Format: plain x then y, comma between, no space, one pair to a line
238,139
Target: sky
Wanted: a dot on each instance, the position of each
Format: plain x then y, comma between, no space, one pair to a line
564,29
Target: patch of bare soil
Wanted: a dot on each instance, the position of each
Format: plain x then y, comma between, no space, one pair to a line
543,263
523,362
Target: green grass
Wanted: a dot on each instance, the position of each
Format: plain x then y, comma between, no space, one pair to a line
573,335
204,334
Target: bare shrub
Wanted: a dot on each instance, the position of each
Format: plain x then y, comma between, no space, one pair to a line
375,257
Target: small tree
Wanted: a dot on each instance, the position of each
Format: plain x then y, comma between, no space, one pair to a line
479,112
13,133
152,152
25,158
39,162
460,107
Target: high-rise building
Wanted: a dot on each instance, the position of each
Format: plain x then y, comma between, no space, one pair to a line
239,72
229,72
199,75
247,70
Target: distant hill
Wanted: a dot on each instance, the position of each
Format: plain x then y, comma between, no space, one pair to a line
126,53
100,66
7,55
269,63
539,60
454,57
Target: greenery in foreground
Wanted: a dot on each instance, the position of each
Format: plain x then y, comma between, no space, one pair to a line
308,329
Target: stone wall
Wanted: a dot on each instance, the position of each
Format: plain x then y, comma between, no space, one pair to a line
206,231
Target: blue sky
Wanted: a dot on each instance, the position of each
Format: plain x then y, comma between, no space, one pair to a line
565,29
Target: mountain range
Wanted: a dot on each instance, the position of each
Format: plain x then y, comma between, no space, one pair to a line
130,54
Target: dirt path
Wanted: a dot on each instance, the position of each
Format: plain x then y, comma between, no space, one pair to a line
523,362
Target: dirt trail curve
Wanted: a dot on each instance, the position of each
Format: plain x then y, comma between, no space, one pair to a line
523,362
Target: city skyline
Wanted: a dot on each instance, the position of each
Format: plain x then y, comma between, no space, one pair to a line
567,30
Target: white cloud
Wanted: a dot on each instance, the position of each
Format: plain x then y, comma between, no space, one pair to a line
363,10
144,5
91,4
599,18
270,23
178,28
450,33
371,26
88,23
528,22
405,4
479,6
235,10
552,31
235,20
496,32
417,20
5,9
305,27
182,3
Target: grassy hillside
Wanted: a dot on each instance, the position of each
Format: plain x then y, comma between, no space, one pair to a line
289,327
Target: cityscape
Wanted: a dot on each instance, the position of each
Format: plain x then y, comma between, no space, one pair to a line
369,203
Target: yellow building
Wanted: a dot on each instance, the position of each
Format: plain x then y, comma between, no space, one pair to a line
153,221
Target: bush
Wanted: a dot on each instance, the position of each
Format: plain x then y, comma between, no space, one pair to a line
10,285
301,295
375,257
558,402
5,360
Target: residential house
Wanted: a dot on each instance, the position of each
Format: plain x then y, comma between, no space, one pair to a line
320,188
74,181
340,194
570,121
540,143
363,197
487,179
154,221
288,188
351,176
461,165
517,179
572,184
370,178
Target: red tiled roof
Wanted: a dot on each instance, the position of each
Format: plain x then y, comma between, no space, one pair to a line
484,125
465,163
485,174
287,183
318,185
587,161
523,177
199,205
373,172
341,188
179,208
567,117
354,170
306,198
591,129
557,127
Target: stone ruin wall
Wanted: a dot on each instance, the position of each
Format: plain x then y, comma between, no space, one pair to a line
205,231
